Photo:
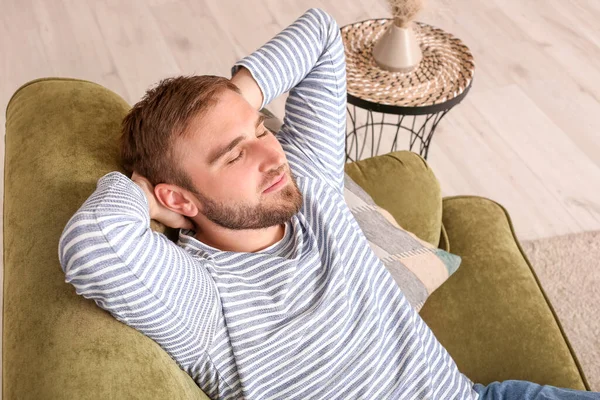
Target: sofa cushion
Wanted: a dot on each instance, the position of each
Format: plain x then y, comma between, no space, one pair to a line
403,183
417,266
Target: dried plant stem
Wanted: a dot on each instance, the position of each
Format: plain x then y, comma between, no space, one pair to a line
405,11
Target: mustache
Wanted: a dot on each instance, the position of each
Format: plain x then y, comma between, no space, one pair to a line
272,174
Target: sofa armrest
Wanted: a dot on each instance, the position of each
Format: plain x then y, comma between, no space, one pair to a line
403,183
492,315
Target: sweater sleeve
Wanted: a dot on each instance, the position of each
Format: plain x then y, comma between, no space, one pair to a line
109,253
307,59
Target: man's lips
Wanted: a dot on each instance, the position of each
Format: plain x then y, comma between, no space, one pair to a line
276,183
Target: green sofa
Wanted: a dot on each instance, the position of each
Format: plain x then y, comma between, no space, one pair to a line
491,315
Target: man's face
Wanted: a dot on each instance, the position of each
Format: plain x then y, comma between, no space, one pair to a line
233,164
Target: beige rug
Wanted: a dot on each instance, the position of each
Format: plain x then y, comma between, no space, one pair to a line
569,269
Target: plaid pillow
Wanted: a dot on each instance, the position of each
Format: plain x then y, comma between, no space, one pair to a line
418,267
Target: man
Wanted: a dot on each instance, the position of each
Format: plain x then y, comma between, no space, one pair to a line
272,290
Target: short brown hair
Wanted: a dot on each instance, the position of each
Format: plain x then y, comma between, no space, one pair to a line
163,115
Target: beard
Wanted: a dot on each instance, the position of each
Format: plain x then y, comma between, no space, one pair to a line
283,206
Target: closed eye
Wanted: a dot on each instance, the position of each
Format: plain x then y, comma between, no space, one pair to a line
265,133
237,158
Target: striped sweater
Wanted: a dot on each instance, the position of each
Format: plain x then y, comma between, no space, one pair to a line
314,316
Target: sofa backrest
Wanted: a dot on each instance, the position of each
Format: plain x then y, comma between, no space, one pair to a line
61,136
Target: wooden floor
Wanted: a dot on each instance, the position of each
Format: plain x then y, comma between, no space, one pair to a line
527,135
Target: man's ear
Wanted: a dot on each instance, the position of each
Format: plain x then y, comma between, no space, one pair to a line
176,199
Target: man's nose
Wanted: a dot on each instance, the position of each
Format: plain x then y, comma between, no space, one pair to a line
270,158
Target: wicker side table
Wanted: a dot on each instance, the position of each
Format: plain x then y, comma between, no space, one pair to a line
415,101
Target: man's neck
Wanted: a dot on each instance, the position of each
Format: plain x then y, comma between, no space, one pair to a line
246,241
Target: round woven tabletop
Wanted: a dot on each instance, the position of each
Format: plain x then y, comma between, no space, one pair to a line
444,73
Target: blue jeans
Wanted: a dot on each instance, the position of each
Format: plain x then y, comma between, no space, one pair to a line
522,390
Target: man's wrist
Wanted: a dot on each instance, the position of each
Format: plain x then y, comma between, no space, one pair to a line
244,80
150,198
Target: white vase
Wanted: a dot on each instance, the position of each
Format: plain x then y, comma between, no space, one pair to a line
397,49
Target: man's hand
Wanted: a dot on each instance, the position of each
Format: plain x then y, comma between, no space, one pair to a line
159,212
250,90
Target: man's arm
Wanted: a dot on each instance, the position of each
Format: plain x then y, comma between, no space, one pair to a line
307,59
250,90
109,253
